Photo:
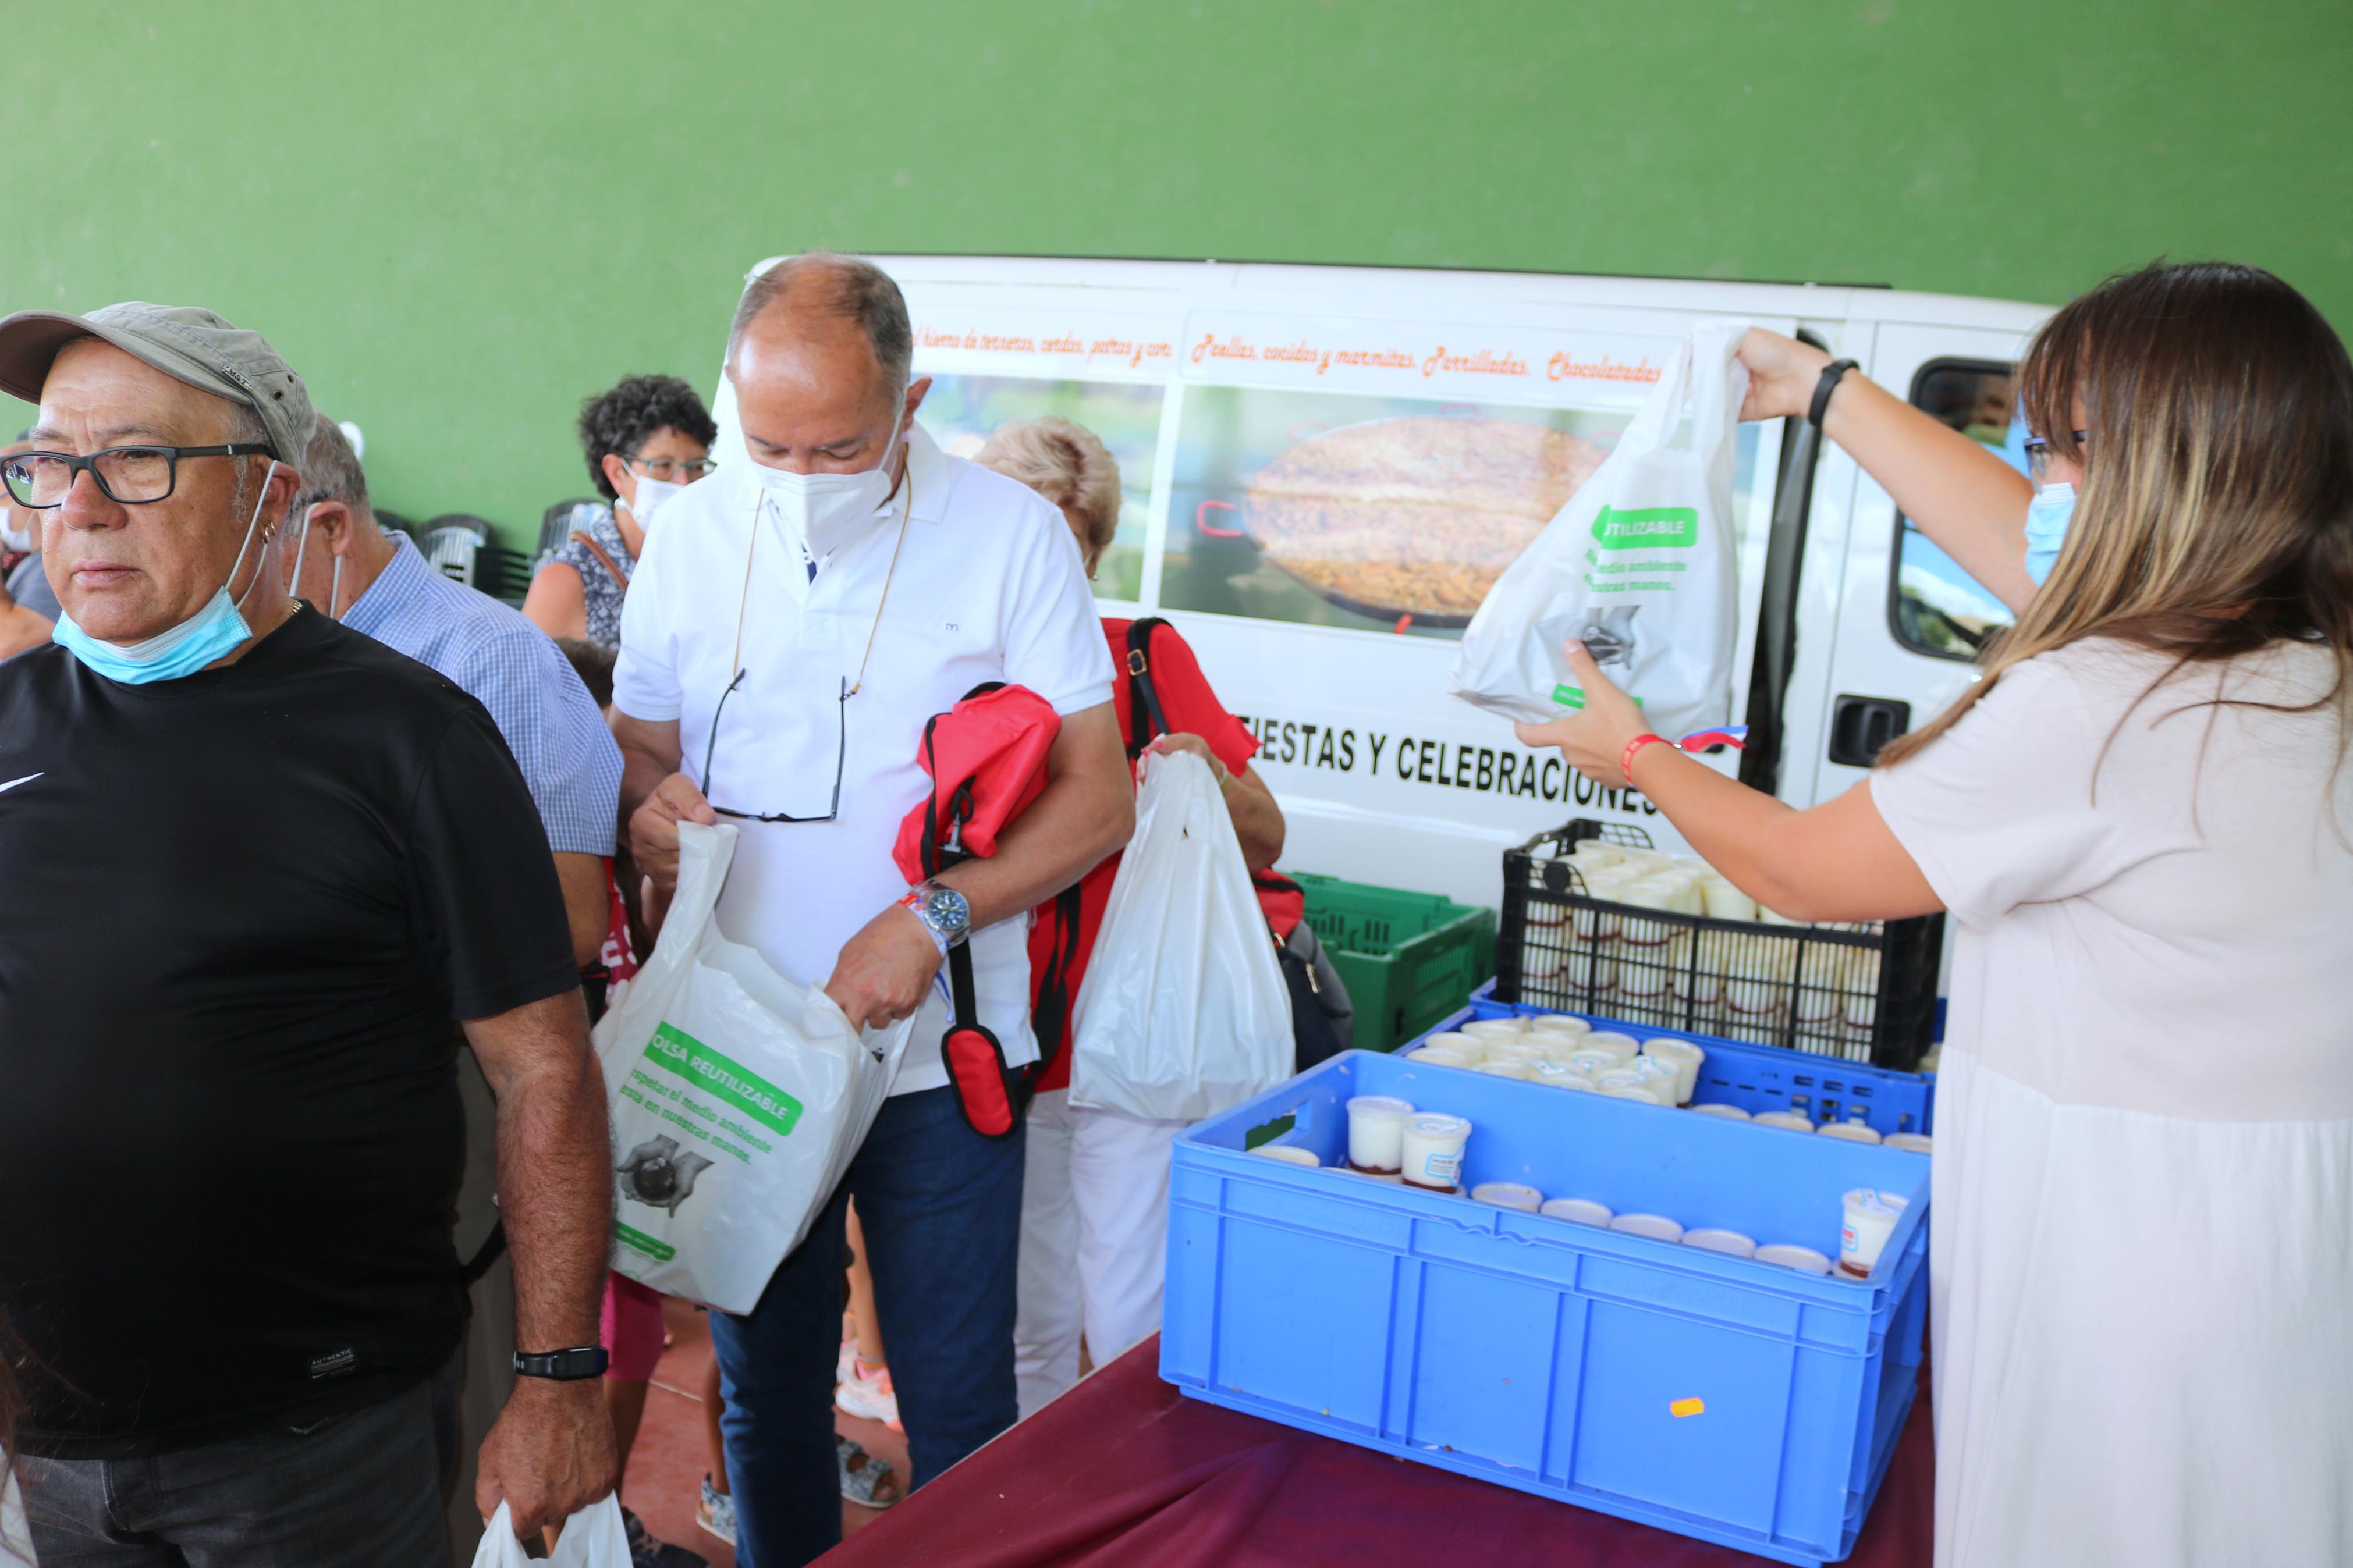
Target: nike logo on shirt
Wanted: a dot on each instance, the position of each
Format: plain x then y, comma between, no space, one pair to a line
12,784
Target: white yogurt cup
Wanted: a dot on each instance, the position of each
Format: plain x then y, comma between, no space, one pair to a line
1289,1154
1657,1226
1659,1077
1685,1057
1497,1068
1558,1073
1911,1142
1377,1132
1508,1196
1620,1077
1559,1023
1441,1057
1729,1113
1580,1211
1640,1095
1471,1045
1787,1120
1871,1216
1804,1259
1730,1243
1495,1028
1432,1150
1526,1049
1625,1047
1590,1061
1849,1132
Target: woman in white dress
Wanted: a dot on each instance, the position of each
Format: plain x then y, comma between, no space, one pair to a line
2141,820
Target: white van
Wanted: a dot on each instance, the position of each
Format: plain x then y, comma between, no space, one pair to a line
1326,465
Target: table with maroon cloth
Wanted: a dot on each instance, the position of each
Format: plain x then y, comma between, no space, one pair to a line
1124,1470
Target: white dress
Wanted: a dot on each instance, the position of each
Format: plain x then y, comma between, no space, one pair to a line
2142,1265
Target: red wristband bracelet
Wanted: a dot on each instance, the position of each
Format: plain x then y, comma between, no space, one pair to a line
1626,758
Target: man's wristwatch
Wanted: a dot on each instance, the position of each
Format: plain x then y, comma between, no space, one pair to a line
943,912
563,1366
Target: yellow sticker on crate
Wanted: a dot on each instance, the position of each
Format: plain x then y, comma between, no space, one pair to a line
1682,1407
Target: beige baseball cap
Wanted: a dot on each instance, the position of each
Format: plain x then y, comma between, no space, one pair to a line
185,343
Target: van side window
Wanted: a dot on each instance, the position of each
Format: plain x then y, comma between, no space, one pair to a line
1934,607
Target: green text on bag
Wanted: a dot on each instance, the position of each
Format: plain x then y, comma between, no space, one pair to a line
1574,697
1647,527
675,1050
660,1251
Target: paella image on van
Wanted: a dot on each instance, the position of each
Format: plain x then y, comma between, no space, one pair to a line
1382,515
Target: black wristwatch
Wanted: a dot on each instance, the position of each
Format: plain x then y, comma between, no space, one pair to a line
564,1366
1832,373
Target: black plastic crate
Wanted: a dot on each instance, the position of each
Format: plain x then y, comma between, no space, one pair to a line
1859,992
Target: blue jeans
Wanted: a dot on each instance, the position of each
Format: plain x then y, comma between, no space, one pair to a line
359,1490
941,1207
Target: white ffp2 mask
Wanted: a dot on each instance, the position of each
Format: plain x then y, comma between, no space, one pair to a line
822,511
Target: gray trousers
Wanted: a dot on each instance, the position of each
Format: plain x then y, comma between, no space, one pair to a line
359,1490
486,1357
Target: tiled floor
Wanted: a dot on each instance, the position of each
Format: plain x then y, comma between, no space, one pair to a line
666,1466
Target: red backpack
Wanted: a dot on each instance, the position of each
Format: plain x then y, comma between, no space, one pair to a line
986,758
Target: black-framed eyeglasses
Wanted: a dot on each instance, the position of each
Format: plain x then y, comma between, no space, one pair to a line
669,471
129,476
841,754
2038,454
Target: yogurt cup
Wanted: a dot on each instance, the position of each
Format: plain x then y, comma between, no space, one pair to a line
1589,1061
1787,1120
1609,1079
1526,1049
1657,1226
1290,1154
1730,1243
1661,1077
1377,1132
1804,1259
1495,1028
1625,1047
1471,1045
1508,1196
1580,1211
1911,1142
1441,1057
1685,1057
1851,1131
1871,1216
1638,1093
1432,1150
1560,1073
1497,1067
1729,1113
1559,1023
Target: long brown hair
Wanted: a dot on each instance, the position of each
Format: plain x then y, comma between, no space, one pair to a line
2215,513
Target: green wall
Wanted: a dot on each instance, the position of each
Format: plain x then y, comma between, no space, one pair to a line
458,219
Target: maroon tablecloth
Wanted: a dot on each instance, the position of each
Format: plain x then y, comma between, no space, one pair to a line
1125,1472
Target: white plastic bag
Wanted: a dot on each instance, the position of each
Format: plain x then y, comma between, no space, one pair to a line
737,1099
592,1538
1639,565
1183,1012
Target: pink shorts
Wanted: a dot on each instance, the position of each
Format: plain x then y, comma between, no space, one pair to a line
630,1324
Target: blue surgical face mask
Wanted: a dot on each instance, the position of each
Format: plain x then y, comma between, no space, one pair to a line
212,633
2047,516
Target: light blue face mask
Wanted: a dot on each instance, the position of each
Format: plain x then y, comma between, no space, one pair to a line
2047,517
212,633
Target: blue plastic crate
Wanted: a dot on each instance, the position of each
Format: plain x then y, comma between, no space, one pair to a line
1757,1078
1718,1398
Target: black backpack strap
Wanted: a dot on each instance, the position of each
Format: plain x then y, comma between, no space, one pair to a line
1145,720
1050,1013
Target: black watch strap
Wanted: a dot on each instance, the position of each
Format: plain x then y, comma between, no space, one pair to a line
1832,373
564,1366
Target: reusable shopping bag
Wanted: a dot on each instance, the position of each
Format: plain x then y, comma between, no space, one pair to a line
1638,565
737,1099
592,1538
1183,1012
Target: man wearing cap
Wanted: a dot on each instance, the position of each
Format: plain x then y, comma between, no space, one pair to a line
255,863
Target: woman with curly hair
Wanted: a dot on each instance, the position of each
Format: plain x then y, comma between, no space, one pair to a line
645,440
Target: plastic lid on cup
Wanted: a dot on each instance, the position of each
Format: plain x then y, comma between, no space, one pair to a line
1508,1196
1289,1153
1580,1211
1787,1120
1805,1259
1437,1125
1439,1056
1378,1105
1730,1243
1657,1226
1495,1028
1455,1040
1851,1131
1911,1142
1729,1113
1623,1047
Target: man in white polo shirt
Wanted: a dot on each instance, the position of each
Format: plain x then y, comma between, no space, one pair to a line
790,629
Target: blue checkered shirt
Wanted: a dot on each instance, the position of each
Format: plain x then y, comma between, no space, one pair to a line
512,668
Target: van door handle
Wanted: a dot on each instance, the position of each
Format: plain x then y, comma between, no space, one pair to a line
1859,726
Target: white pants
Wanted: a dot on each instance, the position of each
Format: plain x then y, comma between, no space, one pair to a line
1094,1240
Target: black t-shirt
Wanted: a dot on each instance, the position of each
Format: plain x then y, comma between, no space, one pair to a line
237,913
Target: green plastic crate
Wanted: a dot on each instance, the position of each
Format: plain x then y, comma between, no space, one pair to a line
1407,959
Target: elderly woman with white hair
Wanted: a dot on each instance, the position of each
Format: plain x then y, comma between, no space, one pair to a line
1094,1199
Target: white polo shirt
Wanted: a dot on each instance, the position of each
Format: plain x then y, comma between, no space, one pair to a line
989,586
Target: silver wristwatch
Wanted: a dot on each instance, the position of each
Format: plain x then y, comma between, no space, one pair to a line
943,910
